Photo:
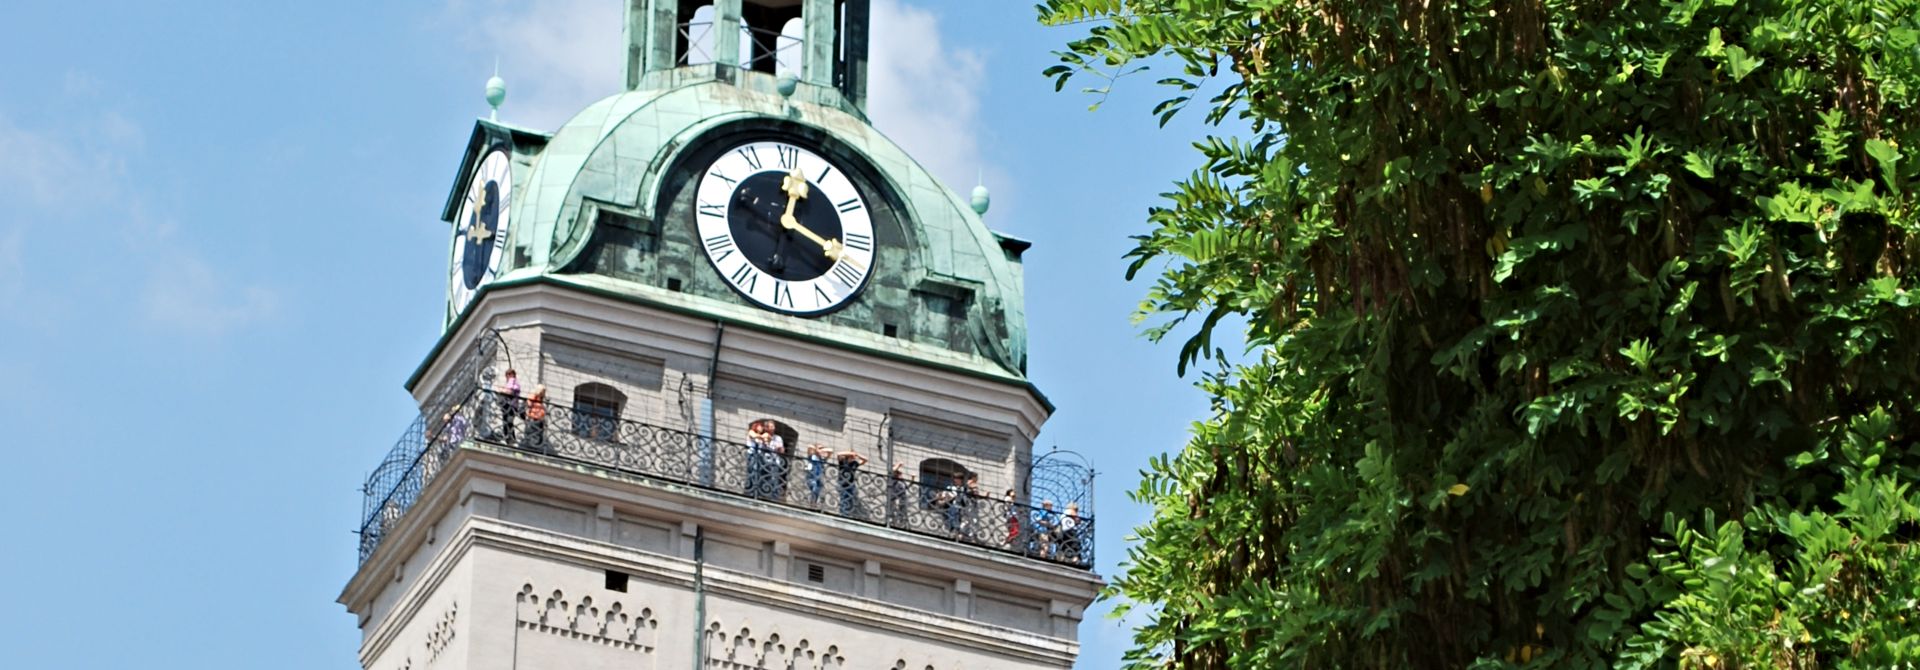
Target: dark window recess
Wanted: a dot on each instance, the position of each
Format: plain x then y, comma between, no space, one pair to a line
938,304
816,574
631,231
890,330
596,410
939,473
941,481
616,581
673,284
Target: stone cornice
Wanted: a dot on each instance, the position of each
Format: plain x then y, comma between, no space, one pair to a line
410,603
850,610
528,300
554,479
722,512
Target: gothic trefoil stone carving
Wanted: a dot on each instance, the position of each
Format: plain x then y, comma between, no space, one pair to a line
746,651
614,625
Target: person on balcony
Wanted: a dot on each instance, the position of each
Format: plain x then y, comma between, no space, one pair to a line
456,426
1045,521
509,404
1013,519
956,501
897,496
1066,538
537,419
764,449
974,507
849,463
817,455
447,435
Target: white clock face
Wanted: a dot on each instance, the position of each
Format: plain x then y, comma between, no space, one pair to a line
785,227
480,232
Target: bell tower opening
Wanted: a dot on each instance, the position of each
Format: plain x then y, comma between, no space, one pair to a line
822,43
775,37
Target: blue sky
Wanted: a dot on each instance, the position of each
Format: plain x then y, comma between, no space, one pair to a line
220,258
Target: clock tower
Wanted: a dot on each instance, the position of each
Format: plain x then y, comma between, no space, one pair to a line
727,380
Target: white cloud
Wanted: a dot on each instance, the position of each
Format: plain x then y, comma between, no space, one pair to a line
561,55
557,56
185,295
63,186
47,169
924,94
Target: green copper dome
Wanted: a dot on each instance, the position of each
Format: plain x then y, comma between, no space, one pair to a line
606,204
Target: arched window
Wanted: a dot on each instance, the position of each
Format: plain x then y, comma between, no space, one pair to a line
696,40
939,473
789,51
596,410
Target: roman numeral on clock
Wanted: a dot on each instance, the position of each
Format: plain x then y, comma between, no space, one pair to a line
745,277
847,275
752,154
719,247
782,295
789,157
820,296
850,205
858,241
713,209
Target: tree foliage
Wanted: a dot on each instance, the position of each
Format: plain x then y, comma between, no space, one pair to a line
1582,333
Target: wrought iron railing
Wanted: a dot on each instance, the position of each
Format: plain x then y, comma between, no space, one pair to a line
823,485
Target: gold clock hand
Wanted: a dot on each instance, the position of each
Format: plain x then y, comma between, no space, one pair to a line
475,232
795,186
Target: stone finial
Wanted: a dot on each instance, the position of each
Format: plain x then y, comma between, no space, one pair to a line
496,91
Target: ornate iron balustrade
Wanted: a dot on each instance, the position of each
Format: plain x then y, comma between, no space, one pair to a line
821,485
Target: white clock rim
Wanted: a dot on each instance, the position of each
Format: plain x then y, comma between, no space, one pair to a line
502,225
705,230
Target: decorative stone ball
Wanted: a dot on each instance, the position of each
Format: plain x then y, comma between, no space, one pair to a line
786,85
496,91
981,199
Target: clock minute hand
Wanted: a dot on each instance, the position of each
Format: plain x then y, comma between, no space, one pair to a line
795,187
833,248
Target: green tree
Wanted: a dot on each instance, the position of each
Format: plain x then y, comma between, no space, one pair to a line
1581,333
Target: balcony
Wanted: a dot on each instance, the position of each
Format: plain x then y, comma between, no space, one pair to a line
864,493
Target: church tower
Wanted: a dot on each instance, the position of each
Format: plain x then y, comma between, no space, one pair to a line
727,380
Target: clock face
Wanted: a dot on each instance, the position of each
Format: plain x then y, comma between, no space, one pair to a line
785,227
479,242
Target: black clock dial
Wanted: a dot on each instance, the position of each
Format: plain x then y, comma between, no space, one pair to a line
482,229
812,263
784,254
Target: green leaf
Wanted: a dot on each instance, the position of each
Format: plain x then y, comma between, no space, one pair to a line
1699,165
1739,64
1887,156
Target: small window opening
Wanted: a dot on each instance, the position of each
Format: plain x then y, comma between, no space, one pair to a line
941,473
816,574
673,284
695,43
890,330
596,410
772,36
616,581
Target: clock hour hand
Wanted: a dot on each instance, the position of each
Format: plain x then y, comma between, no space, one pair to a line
476,232
795,187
